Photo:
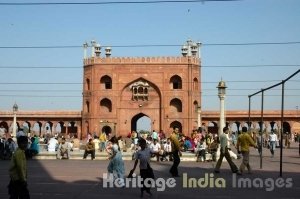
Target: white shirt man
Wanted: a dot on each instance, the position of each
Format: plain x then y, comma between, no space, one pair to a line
229,141
167,155
273,142
52,144
155,147
168,147
273,137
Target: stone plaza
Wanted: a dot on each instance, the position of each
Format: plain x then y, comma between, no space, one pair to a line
76,178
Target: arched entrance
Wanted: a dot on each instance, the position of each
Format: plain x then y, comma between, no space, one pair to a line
296,128
176,124
140,102
107,130
140,122
286,128
212,127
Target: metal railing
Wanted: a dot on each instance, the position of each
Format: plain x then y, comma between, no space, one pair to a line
282,83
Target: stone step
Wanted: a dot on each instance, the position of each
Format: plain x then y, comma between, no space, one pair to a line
76,155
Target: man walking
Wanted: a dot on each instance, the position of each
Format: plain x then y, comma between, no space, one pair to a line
272,141
259,142
175,151
17,187
243,146
225,153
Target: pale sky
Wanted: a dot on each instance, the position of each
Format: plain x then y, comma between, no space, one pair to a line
39,78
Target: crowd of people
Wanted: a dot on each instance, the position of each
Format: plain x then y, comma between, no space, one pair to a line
202,143
8,145
144,146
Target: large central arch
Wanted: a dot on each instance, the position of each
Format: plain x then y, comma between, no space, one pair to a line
135,119
136,103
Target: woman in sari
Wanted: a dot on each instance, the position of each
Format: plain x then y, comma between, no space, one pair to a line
115,167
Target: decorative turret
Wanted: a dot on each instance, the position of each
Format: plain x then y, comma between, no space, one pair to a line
194,49
93,43
97,49
107,51
191,49
85,46
184,50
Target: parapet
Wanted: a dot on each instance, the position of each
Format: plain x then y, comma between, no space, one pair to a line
141,60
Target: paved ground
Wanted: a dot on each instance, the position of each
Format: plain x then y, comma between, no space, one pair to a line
60,179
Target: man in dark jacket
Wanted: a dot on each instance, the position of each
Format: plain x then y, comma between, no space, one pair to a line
89,149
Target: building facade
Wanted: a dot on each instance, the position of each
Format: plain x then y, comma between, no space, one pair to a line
118,91
70,122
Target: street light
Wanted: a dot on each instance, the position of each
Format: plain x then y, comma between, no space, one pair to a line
199,116
15,110
221,93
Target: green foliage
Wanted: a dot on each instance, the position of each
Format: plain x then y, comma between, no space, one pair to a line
144,132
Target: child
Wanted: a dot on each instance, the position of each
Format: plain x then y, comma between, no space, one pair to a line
146,171
17,187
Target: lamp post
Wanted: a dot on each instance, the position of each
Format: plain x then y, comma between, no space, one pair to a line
221,93
15,110
199,116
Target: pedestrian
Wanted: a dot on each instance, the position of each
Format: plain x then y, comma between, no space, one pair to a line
259,142
97,143
52,144
201,151
63,151
224,152
174,138
34,147
10,148
155,148
272,142
102,139
243,146
167,146
17,187
89,136
20,133
213,148
116,167
146,172
154,135
89,149
161,135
